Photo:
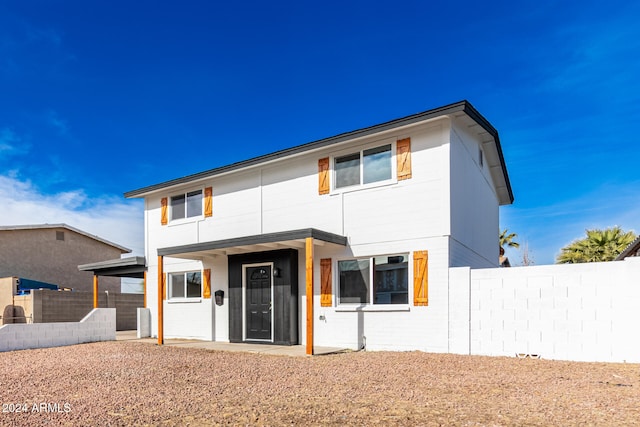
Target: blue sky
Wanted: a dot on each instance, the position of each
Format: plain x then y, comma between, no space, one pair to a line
101,97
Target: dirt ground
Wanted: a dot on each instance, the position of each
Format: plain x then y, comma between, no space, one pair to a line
132,383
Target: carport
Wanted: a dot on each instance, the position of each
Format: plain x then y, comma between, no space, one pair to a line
130,267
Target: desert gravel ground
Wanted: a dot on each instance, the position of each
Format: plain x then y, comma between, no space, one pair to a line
132,383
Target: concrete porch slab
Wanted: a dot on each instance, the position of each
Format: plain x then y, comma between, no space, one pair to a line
278,350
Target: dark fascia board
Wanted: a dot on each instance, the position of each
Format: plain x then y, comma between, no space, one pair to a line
461,106
134,261
122,267
478,118
256,240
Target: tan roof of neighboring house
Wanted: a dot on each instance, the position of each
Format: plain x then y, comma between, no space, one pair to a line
65,226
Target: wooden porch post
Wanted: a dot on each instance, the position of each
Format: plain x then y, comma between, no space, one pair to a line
95,291
309,293
160,300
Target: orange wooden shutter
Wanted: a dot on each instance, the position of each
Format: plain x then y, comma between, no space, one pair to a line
420,278
164,213
206,282
325,282
323,176
403,157
208,201
164,286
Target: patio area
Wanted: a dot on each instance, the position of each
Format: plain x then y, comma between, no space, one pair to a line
279,350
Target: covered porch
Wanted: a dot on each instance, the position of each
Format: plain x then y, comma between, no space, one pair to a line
257,264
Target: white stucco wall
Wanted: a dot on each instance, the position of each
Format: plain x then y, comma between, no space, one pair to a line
386,327
474,204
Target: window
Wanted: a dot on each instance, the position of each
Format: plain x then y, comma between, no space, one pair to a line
388,274
354,281
185,285
59,235
364,167
186,205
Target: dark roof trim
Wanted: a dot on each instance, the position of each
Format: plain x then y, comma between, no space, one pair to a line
478,118
633,247
256,240
462,106
121,267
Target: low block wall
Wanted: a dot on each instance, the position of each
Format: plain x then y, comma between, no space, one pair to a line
581,312
98,325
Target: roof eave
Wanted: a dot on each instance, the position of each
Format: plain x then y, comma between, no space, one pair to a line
461,106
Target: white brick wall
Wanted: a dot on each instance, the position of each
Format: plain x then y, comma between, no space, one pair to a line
98,325
583,312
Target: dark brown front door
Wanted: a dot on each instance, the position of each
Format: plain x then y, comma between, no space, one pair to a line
258,303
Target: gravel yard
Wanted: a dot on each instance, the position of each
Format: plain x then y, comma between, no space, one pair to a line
132,383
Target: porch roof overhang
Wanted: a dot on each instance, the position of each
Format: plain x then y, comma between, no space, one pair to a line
133,267
254,243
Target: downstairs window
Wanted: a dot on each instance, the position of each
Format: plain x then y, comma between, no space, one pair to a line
185,285
377,280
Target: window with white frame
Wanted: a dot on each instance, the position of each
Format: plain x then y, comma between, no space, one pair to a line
364,167
185,285
186,205
380,279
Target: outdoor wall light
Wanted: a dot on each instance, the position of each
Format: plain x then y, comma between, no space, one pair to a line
276,272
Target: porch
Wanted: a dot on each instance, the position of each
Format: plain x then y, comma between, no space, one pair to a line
262,288
276,350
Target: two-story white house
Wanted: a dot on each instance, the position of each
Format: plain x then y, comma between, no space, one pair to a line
342,242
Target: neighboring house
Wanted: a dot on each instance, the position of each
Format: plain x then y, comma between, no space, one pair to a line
51,253
343,242
632,250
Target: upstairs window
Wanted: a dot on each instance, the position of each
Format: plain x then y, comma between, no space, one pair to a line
364,167
186,205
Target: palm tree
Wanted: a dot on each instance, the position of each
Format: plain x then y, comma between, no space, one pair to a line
507,239
598,246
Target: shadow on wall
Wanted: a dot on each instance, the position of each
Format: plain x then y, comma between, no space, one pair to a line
13,314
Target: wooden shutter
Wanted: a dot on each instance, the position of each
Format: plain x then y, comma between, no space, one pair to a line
420,278
206,283
403,158
164,286
323,176
164,212
325,282
208,201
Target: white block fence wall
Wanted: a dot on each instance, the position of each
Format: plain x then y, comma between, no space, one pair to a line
98,325
581,312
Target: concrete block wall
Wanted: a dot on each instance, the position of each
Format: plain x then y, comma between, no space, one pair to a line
126,313
55,306
38,254
98,325
582,312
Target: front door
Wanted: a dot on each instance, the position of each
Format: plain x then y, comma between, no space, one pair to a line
258,302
